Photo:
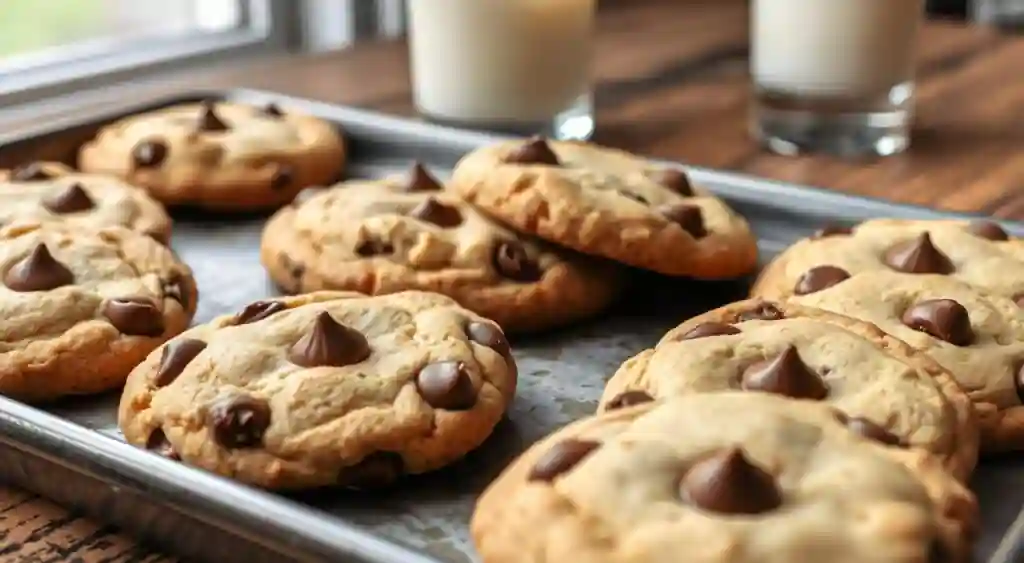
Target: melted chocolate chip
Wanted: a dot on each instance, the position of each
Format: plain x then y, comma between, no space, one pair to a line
31,172
819,278
282,177
673,179
134,316
160,445
486,334
329,343
239,421
258,310
944,319
446,385
635,197
512,262
377,470
785,374
762,312
873,431
562,457
374,247
535,151
440,214
39,271
71,199
628,399
175,357
728,483
832,231
689,217
841,416
704,330
175,289
273,110
988,230
1018,381
296,269
1019,299
208,119
421,180
149,154
918,256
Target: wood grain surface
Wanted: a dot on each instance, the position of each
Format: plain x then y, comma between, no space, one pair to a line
671,82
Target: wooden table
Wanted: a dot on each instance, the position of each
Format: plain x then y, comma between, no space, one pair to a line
671,83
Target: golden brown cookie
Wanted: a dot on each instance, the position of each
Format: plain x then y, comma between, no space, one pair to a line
722,478
608,203
405,233
806,353
80,307
219,155
323,389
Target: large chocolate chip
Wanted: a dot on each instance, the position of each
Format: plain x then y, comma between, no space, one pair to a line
175,357
160,445
486,334
440,214
282,177
689,217
561,458
785,374
534,151
208,119
421,180
239,421
673,179
446,385
329,343
71,199
728,483
149,154
988,230
374,247
704,330
819,278
872,431
273,110
135,316
512,262
31,172
257,311
39,271
918,256
628,399
376,470
831,231
763,311
944,319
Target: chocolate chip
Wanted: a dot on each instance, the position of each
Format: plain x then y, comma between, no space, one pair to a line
273,110
39,271
628,399
512,261
728,483
446,385
763,311
148,154
71,199
832,231
175,289
329,343
175,357
918,256
1018,381
841,416
421,180
208,120
440,214
239,421
785,374
704,330
1019,300
988,230
944,319
561,458
258,310
282,177
31,172
374,247
819,278
635,197
134,316
673,179
689,217
872,431
160,445
296,269
534,151
376,470
486,334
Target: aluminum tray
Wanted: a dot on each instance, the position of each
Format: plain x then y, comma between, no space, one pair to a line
72,452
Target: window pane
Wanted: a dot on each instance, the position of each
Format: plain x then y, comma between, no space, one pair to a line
31,27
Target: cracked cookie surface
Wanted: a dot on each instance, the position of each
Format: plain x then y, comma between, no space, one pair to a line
405,233
326,388
219,155
80,307
608,203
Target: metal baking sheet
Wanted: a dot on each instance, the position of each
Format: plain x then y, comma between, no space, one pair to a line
72,452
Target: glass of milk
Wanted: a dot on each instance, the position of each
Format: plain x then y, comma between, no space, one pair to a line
834,76
514,66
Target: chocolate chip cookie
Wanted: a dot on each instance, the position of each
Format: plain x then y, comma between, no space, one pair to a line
805,353
980,253
48,191
80,307
979,338
327,388
608,203
219,155
722,478
406,233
